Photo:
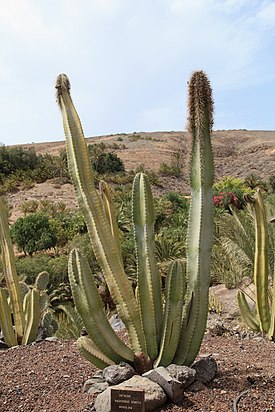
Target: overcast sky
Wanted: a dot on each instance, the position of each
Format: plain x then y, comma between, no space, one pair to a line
129,62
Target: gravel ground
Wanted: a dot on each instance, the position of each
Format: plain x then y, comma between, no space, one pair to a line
49,376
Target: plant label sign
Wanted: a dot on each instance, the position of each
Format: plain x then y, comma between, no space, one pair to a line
130,400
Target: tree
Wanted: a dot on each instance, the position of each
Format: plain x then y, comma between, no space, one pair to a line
33,233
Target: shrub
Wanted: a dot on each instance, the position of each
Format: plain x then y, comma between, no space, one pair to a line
55,266
108,163
229,191
33,233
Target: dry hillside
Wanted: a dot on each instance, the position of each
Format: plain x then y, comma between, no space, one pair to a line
236,152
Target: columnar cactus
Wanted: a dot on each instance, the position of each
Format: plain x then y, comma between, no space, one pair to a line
159,334
21,306
263,319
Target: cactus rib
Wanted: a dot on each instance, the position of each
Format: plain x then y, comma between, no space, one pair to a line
174,297
149,279
87,349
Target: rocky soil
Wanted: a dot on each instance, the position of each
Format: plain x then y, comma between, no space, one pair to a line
49,376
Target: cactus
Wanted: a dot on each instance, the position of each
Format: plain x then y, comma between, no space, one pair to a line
10,275
157,336
20,320
263,318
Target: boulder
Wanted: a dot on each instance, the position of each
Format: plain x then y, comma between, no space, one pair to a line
116,374
154,395
184,374
171,386
206,369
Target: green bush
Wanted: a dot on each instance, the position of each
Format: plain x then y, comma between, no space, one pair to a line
33,233
55,266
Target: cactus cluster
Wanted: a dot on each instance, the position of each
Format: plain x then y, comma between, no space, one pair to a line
263,317
23,308
161,329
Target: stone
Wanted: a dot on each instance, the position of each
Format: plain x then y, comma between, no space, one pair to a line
98,387
3,345
184,374
96,378
171,386
116,374
206,369
116,323
155,396
52,339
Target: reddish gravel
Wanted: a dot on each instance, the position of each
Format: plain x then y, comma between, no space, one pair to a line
49,376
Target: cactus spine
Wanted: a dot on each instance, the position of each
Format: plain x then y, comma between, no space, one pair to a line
264,317
158,335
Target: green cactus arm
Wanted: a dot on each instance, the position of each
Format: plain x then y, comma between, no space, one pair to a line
90,308
271,332
261,259
6,325
9,270
174,297
149,279
110,213
87,349
200,227
248,316
32,316
103,243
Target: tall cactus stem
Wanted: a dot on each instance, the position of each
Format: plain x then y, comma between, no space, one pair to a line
260,260
9,270
102,240
200,227
149,279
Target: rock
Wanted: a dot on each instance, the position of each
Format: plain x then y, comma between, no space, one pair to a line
96,378
206,369
52,339
171,386
154,395
116,323
98,387
116,374
3,345
184,374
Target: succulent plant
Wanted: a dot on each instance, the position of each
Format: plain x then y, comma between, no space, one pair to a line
263,317
21,305
158,333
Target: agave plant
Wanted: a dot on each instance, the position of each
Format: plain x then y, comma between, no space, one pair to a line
159,332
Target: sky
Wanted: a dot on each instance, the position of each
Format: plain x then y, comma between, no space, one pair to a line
129,63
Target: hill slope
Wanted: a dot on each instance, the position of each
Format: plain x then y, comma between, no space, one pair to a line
236,152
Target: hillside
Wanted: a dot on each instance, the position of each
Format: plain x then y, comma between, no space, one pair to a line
236,152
